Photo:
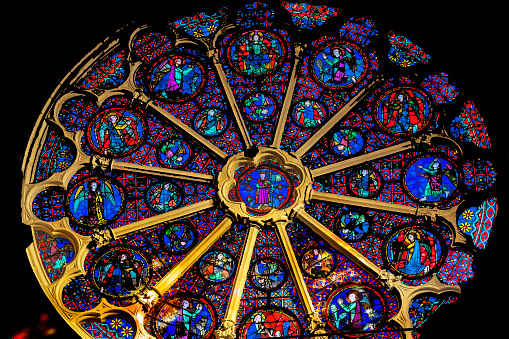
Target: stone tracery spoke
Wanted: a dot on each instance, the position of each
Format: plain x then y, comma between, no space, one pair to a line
159,219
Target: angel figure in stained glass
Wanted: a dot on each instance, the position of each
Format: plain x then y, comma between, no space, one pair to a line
93,198
58,256
433,173
164,197
174,78
342,66
116,133
413,252
310,114
348,313
257,106
175,153
403,112
346,142
212,123
365,184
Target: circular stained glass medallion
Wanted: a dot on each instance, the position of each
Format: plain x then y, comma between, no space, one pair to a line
365,183
115,132
271,322
211,122
352,226
267,274
317,262
121,271
95,201
431,179
163,196
355,309
178,237
339,65
177,78
256,52
259,106
347,142
403,110
309,113
174,153
217,266
413,251
182,316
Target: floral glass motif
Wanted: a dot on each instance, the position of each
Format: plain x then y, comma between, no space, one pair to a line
217,266
264,188
267,274
256,52
183,316
403,110
115,132
346,142
404,53
259,106
317,262
269,322
112,327
431,179
179,237
163,196
354,309
174,153
95,201
365,183
339,65
309,16
55,253
413,251
177,78
211,122
352,226
121,271
309,113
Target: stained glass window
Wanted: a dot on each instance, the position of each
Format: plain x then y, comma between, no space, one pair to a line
262,170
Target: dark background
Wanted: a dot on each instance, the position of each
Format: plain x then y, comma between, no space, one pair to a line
42,42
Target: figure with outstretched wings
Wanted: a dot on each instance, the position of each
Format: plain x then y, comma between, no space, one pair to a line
174,151
91,201
116,134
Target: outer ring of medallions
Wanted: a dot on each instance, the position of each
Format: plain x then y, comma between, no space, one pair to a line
154,311
321,47
430,102
225,182
281,60
281,283
105,111
106,249
445,201
436,267
331,296
110,221
245,319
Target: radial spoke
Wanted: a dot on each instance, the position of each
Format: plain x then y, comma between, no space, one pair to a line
216,151
163,172
241,275
343,111
364,203
156,220
294,267
192,257
283,116
241,125
339,244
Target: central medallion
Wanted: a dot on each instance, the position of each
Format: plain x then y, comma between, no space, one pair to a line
266,187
